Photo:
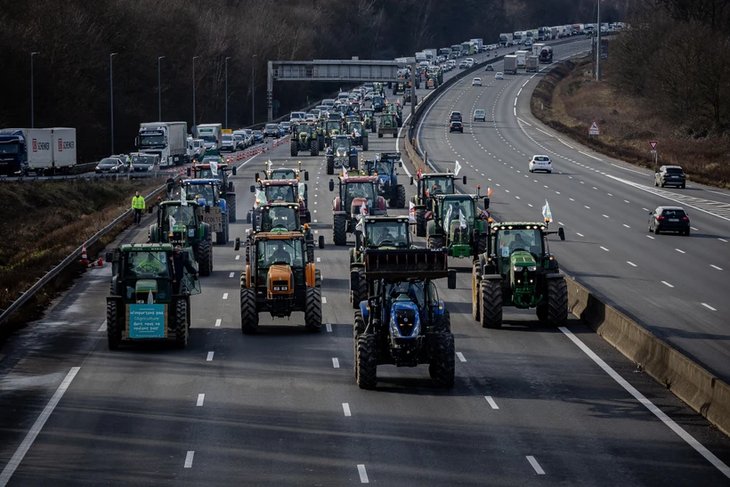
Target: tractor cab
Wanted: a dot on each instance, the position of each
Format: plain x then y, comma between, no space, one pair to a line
458,225
282,191
282,172
206,193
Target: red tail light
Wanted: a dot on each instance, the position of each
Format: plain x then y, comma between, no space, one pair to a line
660,217
685,218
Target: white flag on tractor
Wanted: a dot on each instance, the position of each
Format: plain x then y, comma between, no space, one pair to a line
172,222
457,168
183,196
214,167
462,219
447,220
411,211
546,213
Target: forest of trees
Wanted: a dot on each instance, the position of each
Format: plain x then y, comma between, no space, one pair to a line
74,40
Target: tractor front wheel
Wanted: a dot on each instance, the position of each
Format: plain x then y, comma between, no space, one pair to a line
442,367
330,165
181,323
367,366
313,310
294,145
113,331
557,301
400,196
476,271
435,242
339,230
359,290
491,308
421,223
249,313
231,207
314,147
204,256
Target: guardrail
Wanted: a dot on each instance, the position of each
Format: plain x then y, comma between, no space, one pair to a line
72,257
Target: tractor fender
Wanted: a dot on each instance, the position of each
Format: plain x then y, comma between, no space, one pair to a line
554,276
222,204
381,203
364,309
336,204
354,278
431,228
491,277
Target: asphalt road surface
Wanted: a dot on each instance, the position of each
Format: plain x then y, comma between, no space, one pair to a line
532,405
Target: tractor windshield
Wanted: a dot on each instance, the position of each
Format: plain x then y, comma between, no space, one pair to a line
280,193
356,127
184,215
279,219
442,185
508,241
383,167
202,191
387,233
461,210
146,265
206,173
283,174
387,121
341,144
367,113
334,125
359,190
288,252
307,129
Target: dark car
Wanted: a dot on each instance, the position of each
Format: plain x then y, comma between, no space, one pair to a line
258,136
455,116
670,176
271,130
669,219
142,162
113,165
456,126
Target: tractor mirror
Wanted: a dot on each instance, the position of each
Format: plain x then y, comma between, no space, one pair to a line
237,244
452,279
253,188
561,233
411,180
233,171
189,172
332,185
230,186
255,176
149,209
486,202
400,163
321,241
306,175
109,256
464,180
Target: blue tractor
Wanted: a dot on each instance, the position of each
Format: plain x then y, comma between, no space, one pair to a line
207,194
403,322
384,165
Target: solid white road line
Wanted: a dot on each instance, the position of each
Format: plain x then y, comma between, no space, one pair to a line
225,295
715,267
30,437
667,284
592,157
630,263
491,402
210,357
363,474
103,326
680,251
189,459
535,465
716,462
328,327
201,400
604,249
346,409
708,306
461,356
566,144
335,362
218,322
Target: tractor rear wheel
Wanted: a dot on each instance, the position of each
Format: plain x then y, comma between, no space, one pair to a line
330,165
491,303
113,330
313,310
181,323
231,207
314,147
364,143
435,242
481,243
249,313
367,366
441,368
294,146
444,323
339,230
557,302
400,197
204,256
358,329
320,142
359,290
420,223
475,296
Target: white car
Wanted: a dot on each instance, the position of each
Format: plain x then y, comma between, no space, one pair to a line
499,75
476,82
541,163
480,115
297,116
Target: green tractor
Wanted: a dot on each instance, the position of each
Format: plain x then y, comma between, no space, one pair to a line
145,302
332,129
387,125
207,193
368,119
304,138
458,225
358,133
218,170
182,223
518,270
374,232
428,185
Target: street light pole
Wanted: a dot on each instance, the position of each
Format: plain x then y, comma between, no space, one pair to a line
194,120
159,88
598,43
227,58
111,95
253,90
32,100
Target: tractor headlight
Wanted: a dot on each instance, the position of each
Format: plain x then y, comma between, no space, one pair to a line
532,268
281,288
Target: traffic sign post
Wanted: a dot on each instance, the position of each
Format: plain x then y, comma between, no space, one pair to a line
594,130
655,154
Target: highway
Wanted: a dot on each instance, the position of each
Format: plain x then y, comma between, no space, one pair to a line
532,405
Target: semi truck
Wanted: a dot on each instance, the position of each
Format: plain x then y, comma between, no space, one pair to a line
521,58
478,42
42,151
510,64
211,134
169,140
531,64
536,48
504,39
546,55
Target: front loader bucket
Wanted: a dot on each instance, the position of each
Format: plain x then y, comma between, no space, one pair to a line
401,264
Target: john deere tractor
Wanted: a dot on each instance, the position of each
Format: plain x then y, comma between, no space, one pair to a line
387,125
368,119
384,166
332,129
304,138
358,133
206,192
428,185
182,223
219,171
280,278
403,322
458,225
374,232
145,302
518,270
357,196
341,153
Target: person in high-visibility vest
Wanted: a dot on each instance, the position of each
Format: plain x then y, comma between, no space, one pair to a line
138,205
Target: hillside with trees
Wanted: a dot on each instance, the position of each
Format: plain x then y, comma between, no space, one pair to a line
74,40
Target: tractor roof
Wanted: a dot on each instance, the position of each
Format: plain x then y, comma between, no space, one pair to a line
178,203
383,218
437,175
279,236
279,182
359,179
294,206
518,226
147,247
221,167
201,181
